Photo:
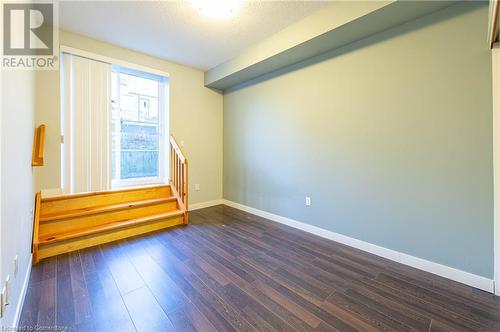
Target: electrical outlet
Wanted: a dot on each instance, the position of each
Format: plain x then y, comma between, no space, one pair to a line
308,201
197,187
16,266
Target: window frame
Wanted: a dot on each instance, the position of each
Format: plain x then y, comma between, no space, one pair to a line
163,111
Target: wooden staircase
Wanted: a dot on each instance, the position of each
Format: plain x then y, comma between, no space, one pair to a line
70,222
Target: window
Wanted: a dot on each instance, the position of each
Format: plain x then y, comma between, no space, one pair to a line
138,125
114,118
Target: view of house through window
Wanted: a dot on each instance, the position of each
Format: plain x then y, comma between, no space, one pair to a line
138,116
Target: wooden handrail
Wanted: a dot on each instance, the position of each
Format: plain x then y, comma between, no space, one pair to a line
179,177
36,223
176,147
38,146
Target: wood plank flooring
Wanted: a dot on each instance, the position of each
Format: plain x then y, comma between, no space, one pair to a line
232,271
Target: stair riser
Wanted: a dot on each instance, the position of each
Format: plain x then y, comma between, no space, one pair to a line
49,250
63,225
55,206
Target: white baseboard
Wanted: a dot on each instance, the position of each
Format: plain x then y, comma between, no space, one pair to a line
203,205
22,295
419,263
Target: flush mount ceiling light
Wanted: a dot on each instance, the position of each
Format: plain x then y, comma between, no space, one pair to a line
217,8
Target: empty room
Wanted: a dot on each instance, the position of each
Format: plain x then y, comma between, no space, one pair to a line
244,165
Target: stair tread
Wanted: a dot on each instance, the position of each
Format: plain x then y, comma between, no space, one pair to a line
102,209
56,237
101,193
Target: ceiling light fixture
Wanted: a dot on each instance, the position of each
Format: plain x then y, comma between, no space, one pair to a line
217,8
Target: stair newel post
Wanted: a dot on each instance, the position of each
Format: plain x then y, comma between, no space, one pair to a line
185,197
179,177
182,183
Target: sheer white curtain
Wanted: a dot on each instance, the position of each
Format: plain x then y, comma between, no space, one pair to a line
86,109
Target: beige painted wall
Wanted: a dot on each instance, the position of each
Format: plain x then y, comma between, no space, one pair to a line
195,117
17,125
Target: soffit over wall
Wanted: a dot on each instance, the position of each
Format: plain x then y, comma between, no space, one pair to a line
336,25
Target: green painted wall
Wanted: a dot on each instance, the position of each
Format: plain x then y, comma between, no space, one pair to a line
390,136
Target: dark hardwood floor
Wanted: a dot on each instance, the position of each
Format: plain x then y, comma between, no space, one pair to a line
229,270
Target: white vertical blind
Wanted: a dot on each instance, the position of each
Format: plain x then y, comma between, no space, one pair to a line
86,94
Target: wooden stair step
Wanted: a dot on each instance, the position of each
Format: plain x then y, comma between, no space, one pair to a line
103,209
102,193
57,237
60,204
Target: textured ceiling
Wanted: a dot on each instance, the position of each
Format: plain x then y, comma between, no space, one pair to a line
177,31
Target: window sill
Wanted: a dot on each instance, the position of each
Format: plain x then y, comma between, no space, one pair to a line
137,183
